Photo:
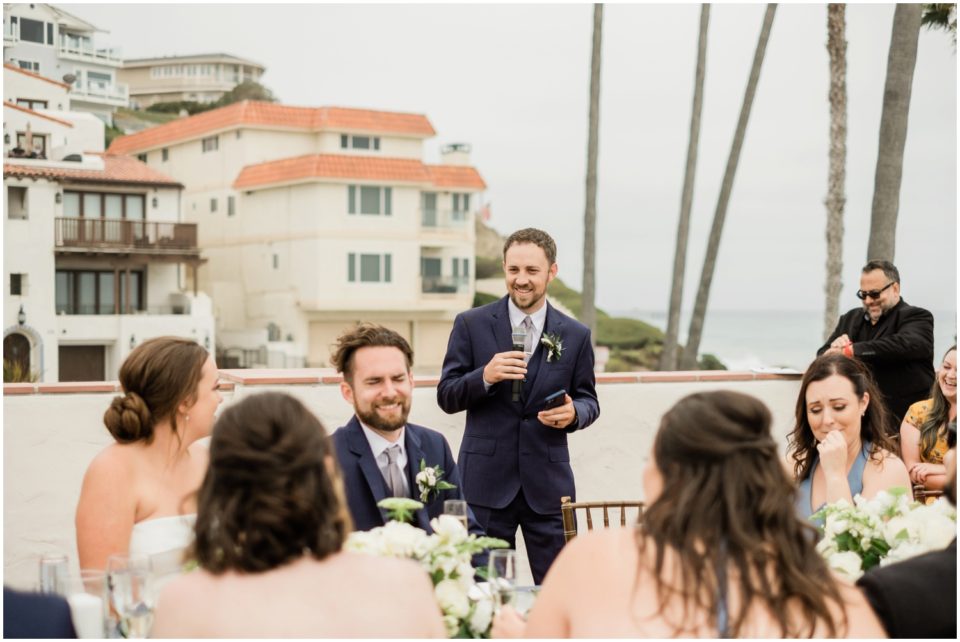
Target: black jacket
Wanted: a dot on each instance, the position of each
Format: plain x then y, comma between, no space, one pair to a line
916,598
899,354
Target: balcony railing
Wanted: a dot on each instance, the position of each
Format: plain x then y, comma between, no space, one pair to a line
122,234
444,284
443,219
100,91
84,50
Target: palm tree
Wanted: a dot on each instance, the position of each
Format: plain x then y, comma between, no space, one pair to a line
588,312
941,16
901,61
837,48
668,358
689,358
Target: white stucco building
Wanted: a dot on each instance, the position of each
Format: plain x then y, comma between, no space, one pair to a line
96,258
202,78
314,219
50,42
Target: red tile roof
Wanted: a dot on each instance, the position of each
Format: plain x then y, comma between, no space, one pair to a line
9,104
332,166
456,176
272,115
117,169
33,75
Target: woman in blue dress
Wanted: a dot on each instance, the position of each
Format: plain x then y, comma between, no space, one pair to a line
839,444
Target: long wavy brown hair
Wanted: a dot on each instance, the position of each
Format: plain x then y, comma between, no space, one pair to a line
727,508
272,492
937,419
802,444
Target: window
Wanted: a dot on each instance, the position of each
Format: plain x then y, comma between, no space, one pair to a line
29,65
276,261
98,292
373,200
231,206
461,202
213,205
16,202
38,141
344,141
31,30
359,142
372,268
164,154
49,33
18,283
211,144
103,205
30,103
142,158
461,268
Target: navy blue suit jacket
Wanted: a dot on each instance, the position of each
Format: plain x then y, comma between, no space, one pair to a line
35,615
365,485
505,447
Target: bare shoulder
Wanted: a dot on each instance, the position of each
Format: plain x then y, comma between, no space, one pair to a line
115,463
182,604
593,548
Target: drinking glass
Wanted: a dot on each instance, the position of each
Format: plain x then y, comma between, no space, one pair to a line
456,508
130,585
502,575
521,598
53,573
88,603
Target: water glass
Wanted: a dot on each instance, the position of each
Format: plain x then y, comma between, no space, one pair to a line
521,598
130,586
53,573
502,575
88,603
456,508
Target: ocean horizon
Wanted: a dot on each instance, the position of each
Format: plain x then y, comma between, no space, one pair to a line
750,339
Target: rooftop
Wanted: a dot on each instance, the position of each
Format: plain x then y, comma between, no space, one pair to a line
36,76
118,169
201,57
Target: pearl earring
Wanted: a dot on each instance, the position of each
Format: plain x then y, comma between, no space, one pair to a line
188,417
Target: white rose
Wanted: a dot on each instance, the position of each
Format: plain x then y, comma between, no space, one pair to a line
481,617
401,539
431,477
422,478
847,563
898,529
905,550
452,624
452,599
448,527
934,529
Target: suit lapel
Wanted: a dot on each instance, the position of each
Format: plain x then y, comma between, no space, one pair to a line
501,328
411,442
535,389
359,446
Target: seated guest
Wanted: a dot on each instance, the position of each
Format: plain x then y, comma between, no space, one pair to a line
138,494
719,551
924,434
917,598
838,444
271,524
36,615
378,451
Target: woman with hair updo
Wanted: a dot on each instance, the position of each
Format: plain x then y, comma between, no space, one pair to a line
270,527
838,444
718,550
924,437
138,495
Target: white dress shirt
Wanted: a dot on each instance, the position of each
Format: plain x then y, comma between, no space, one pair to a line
378,446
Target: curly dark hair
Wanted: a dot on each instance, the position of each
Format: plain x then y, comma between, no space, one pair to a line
801,442
272,491
937,419
532,235
157,376
727,503
366,335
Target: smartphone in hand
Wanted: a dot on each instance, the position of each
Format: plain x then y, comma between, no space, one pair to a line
555,400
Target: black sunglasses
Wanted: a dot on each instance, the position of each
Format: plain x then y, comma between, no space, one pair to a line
873,294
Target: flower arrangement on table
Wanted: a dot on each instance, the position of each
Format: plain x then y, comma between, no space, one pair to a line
879,531
445,554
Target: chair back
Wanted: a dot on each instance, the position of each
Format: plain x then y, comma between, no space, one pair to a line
922,494
568,510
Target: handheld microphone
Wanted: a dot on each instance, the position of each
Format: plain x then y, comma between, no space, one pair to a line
519,344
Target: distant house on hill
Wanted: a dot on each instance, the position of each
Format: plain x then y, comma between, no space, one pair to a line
314,219
201,78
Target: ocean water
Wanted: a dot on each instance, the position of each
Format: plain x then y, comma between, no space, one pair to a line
747,339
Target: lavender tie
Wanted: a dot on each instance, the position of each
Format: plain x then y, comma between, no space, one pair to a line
394,475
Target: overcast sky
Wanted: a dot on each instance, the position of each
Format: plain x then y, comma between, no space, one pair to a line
513,82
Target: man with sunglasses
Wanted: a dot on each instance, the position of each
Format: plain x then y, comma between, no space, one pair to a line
892,338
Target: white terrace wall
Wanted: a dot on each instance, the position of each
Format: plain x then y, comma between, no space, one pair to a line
52,431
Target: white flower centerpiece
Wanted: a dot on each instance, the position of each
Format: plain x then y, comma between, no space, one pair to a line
879,531
445,555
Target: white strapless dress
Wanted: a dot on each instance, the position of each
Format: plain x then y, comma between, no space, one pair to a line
164,540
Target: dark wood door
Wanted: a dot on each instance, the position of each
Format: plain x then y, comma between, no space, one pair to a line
82,363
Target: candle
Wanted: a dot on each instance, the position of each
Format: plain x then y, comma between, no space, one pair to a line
87,612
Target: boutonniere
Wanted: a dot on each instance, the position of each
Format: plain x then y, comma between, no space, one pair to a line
430,481
554,345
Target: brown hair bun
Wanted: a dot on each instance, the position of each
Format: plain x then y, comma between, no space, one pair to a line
129,419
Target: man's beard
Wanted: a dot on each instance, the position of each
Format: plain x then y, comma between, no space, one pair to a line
377,421
533,301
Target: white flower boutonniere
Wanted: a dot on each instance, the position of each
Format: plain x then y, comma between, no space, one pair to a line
554,345
430,481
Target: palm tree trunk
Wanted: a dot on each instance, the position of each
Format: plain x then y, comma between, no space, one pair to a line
588,310
689,359
893,131
668,358
837,48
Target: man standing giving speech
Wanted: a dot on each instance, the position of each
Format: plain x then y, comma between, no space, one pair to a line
503,361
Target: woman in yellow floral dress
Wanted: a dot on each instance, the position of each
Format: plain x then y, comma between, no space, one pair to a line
923,434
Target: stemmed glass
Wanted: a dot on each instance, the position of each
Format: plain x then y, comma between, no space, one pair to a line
53,573
502,575
130,585
456,508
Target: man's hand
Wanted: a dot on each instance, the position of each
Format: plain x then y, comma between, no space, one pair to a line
505,365
833,454
559,417
840,342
